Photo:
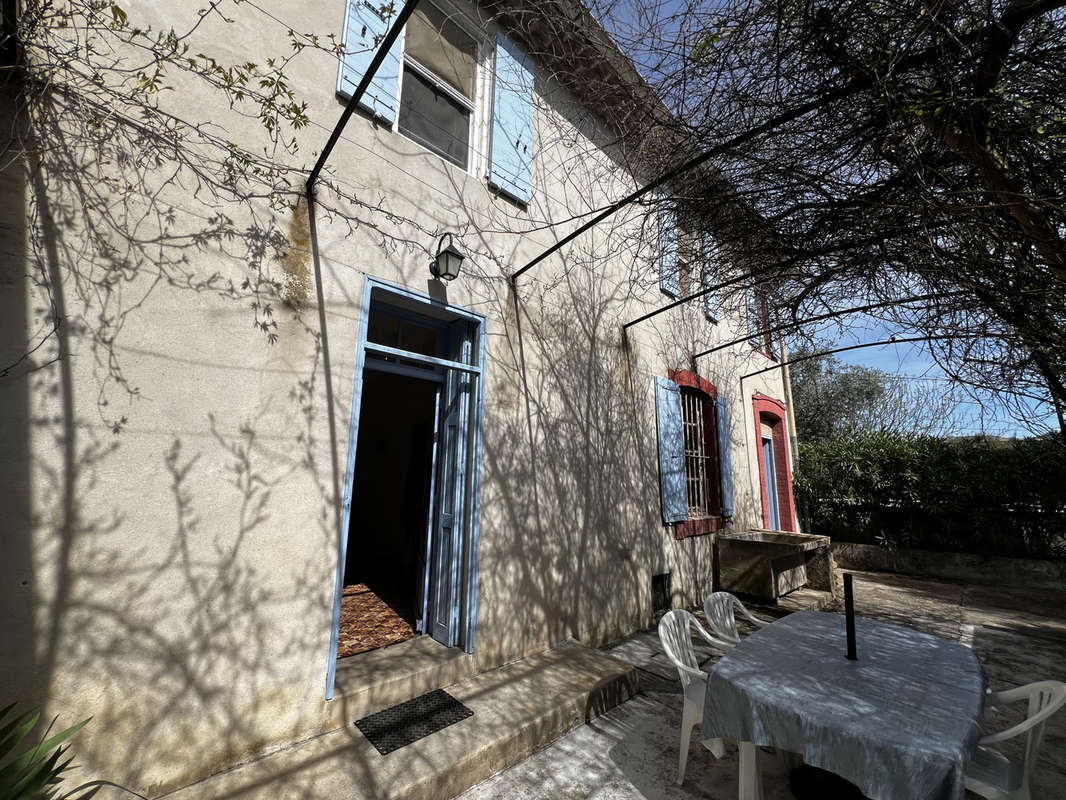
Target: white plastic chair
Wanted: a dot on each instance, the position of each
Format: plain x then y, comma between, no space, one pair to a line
721,608
990,773
675,635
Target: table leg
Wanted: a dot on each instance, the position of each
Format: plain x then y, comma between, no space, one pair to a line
750,777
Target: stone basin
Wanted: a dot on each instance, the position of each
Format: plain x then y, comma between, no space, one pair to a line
768,564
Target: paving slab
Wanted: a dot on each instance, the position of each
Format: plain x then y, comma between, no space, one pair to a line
1018,634
631,751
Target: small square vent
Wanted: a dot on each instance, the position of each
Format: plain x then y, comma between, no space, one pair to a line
660,593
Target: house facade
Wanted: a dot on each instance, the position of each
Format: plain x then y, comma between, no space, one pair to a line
232,417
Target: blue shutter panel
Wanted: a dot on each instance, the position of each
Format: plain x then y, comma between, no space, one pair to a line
754,322
771,347
511,170
669,263
711,302
725,461
364,28
671,451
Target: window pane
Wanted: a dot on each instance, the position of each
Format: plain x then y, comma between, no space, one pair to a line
701,471
383,329
391,331
443,47
433,119
419,339
692,420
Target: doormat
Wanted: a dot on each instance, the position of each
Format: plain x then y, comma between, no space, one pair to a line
408,722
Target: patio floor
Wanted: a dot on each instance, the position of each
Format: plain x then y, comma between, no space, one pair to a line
631,752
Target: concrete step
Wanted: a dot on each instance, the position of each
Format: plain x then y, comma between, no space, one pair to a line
377,680
518,709
805,599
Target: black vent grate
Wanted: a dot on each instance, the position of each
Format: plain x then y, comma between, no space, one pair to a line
660,593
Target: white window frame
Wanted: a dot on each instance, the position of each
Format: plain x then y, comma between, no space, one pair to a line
474,157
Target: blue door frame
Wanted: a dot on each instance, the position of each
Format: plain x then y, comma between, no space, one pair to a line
467,562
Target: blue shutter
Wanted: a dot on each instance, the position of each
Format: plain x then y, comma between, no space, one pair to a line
669,263
771,347
754,321
712,307
725,461
364,27
511,170
671,451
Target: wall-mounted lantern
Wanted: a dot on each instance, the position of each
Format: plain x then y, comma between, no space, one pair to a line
448,261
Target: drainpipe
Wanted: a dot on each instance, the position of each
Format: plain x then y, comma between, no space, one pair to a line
790,414
790,410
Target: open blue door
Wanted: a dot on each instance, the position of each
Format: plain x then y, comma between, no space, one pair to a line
408,335
426,556
453,454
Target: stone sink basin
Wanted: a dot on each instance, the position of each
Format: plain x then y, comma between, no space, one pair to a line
767,564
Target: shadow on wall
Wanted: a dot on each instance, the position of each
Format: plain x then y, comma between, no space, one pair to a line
156,571
571,480
167,575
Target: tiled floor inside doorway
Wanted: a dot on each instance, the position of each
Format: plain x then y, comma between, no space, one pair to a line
370,620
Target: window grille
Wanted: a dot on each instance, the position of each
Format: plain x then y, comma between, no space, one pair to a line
698,422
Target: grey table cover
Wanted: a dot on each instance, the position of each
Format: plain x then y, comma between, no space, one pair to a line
900,722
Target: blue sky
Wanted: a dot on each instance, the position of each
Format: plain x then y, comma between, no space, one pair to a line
982,414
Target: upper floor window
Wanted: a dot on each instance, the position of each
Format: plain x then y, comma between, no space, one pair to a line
759,323
688,257
710,275
429,88
439,84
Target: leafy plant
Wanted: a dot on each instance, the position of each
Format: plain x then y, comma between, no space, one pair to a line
36,773
970,495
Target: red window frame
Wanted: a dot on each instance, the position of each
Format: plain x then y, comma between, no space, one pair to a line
707,394
772,412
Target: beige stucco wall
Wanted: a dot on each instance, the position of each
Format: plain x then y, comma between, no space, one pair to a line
173,479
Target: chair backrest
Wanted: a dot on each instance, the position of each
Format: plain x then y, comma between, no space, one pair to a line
1045,698
675,635
721,617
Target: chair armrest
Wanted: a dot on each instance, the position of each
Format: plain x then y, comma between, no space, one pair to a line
754,620
693,673
1006,696
1053,692
1012,731
713,641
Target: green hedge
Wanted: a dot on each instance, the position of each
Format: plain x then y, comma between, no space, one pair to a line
976,495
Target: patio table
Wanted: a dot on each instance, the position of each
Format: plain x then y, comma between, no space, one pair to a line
900,722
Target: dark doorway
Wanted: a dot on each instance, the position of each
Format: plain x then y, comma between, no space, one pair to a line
384,571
